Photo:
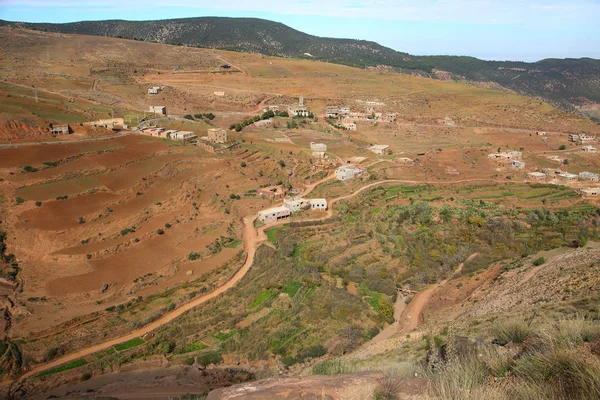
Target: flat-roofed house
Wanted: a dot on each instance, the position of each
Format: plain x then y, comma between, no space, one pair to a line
217,135
538,176
573,138
298,110
271,215
295,203
589,176
379,148
346,172
517,164
219,93
60,130
318,204
154,90
349,125
332,112
183,136
567,177
590,191
589,149
318,146
170,134
158,110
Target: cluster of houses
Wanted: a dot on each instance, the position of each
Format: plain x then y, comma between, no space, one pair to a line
115,124
513,156
582,138
291,205
348,117
563,176
170,134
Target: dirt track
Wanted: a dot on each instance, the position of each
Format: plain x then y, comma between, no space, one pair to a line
252,238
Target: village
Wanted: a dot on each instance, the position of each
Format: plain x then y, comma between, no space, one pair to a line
216,140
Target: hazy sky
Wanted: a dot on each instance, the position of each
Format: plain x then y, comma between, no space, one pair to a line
489,29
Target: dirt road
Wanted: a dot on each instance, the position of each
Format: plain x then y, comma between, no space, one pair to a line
412,316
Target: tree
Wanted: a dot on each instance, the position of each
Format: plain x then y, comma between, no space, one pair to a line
243,165
386,309
282,163
562,147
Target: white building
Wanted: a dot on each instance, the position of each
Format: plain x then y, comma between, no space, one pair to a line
318,146
183,135
273,214
170,134
573,138
589,149
590,191
346,172
318,204
379,148
332,112
345,111
518,164
295,203
160,110
538,176
566,176
318,154
298,111
589,176
154,90
219,93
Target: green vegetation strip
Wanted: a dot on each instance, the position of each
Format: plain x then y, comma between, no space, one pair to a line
195,346
64,367
292,288
264,296
271,235
129,344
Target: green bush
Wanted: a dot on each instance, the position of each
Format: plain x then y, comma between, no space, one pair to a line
38,203
189,361
160,231
194,256
29,168
562,147
212,357
19,200
539,261
126,231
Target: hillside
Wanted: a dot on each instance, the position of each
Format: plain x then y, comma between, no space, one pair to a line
569,83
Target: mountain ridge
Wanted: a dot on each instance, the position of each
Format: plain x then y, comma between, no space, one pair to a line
572,84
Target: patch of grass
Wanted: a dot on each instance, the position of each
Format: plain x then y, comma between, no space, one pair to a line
262,297
514,330
271,235
223,336
291,288
129,344
64,367
195,346
234,244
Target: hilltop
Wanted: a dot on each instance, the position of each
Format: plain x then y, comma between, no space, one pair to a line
569,83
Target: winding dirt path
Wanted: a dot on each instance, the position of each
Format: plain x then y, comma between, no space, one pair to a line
413,314
252,239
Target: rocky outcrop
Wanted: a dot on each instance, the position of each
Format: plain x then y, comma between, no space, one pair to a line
358,386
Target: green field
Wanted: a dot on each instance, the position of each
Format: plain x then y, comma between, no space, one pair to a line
129,344
195,346
64,367
264,296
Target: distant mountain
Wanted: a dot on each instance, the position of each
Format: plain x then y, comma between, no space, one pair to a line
568,83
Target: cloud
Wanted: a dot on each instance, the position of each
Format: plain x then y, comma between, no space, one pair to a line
536,12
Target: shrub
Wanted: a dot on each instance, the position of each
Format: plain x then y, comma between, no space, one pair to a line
167,225
88,256
189,361
126,231
29,168
387,389
38,203
160,231
194,256
189,116
86,376
81,220
243,165
539,261
19,200
212,357
562,147
515,330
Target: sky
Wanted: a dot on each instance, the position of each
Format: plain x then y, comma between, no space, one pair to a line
488,29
